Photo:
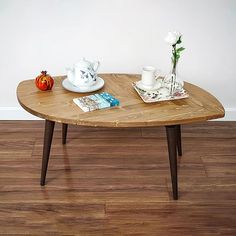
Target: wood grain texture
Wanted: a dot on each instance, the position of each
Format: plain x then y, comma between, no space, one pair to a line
57,105
107,181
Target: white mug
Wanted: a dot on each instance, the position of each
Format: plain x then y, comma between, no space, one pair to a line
148,76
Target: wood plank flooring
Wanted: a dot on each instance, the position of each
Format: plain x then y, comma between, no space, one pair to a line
117,182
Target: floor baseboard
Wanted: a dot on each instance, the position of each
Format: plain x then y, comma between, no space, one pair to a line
15,113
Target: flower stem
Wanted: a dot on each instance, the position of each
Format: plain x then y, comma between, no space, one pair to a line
174,59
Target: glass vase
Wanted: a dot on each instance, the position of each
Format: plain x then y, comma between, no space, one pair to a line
172,81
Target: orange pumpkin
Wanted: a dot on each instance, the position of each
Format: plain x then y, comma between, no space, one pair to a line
44,81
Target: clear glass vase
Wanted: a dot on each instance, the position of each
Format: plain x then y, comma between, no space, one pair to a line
172,81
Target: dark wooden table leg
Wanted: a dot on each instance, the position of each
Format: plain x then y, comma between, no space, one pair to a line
64,133
48,134
178,137
172,142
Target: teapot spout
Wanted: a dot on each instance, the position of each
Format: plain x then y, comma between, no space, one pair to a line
96,64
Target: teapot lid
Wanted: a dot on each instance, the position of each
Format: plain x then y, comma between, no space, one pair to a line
83,62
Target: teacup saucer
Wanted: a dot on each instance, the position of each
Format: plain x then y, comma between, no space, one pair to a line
68,86
140,85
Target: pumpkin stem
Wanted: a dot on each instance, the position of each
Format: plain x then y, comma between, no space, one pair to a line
44,72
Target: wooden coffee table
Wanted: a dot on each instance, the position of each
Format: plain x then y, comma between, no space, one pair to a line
57,106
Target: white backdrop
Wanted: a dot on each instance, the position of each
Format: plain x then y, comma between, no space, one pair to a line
123,35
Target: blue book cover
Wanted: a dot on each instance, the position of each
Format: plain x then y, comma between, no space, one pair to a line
96,102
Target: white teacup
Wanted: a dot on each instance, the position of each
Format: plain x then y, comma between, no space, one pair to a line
148,77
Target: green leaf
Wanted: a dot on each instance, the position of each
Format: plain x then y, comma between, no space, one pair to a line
179,40
179,49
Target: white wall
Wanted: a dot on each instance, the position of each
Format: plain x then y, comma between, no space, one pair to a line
124,35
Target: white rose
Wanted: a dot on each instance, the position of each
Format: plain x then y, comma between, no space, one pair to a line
172,37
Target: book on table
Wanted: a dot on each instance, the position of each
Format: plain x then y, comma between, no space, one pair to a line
96,101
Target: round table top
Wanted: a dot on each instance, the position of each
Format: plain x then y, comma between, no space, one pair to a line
57,105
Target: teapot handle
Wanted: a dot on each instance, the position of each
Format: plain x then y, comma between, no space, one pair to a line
96,64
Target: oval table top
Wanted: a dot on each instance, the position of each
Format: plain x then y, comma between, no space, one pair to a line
57,105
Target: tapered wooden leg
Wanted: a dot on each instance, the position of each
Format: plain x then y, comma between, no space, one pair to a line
178,137
48,134
64,133
172,142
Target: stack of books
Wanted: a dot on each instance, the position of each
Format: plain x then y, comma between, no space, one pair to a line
96,101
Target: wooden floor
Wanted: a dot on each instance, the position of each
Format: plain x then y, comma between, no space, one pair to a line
117,182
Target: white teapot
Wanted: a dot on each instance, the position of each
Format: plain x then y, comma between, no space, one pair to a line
84,73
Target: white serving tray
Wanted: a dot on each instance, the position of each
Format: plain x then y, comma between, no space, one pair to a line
158,95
